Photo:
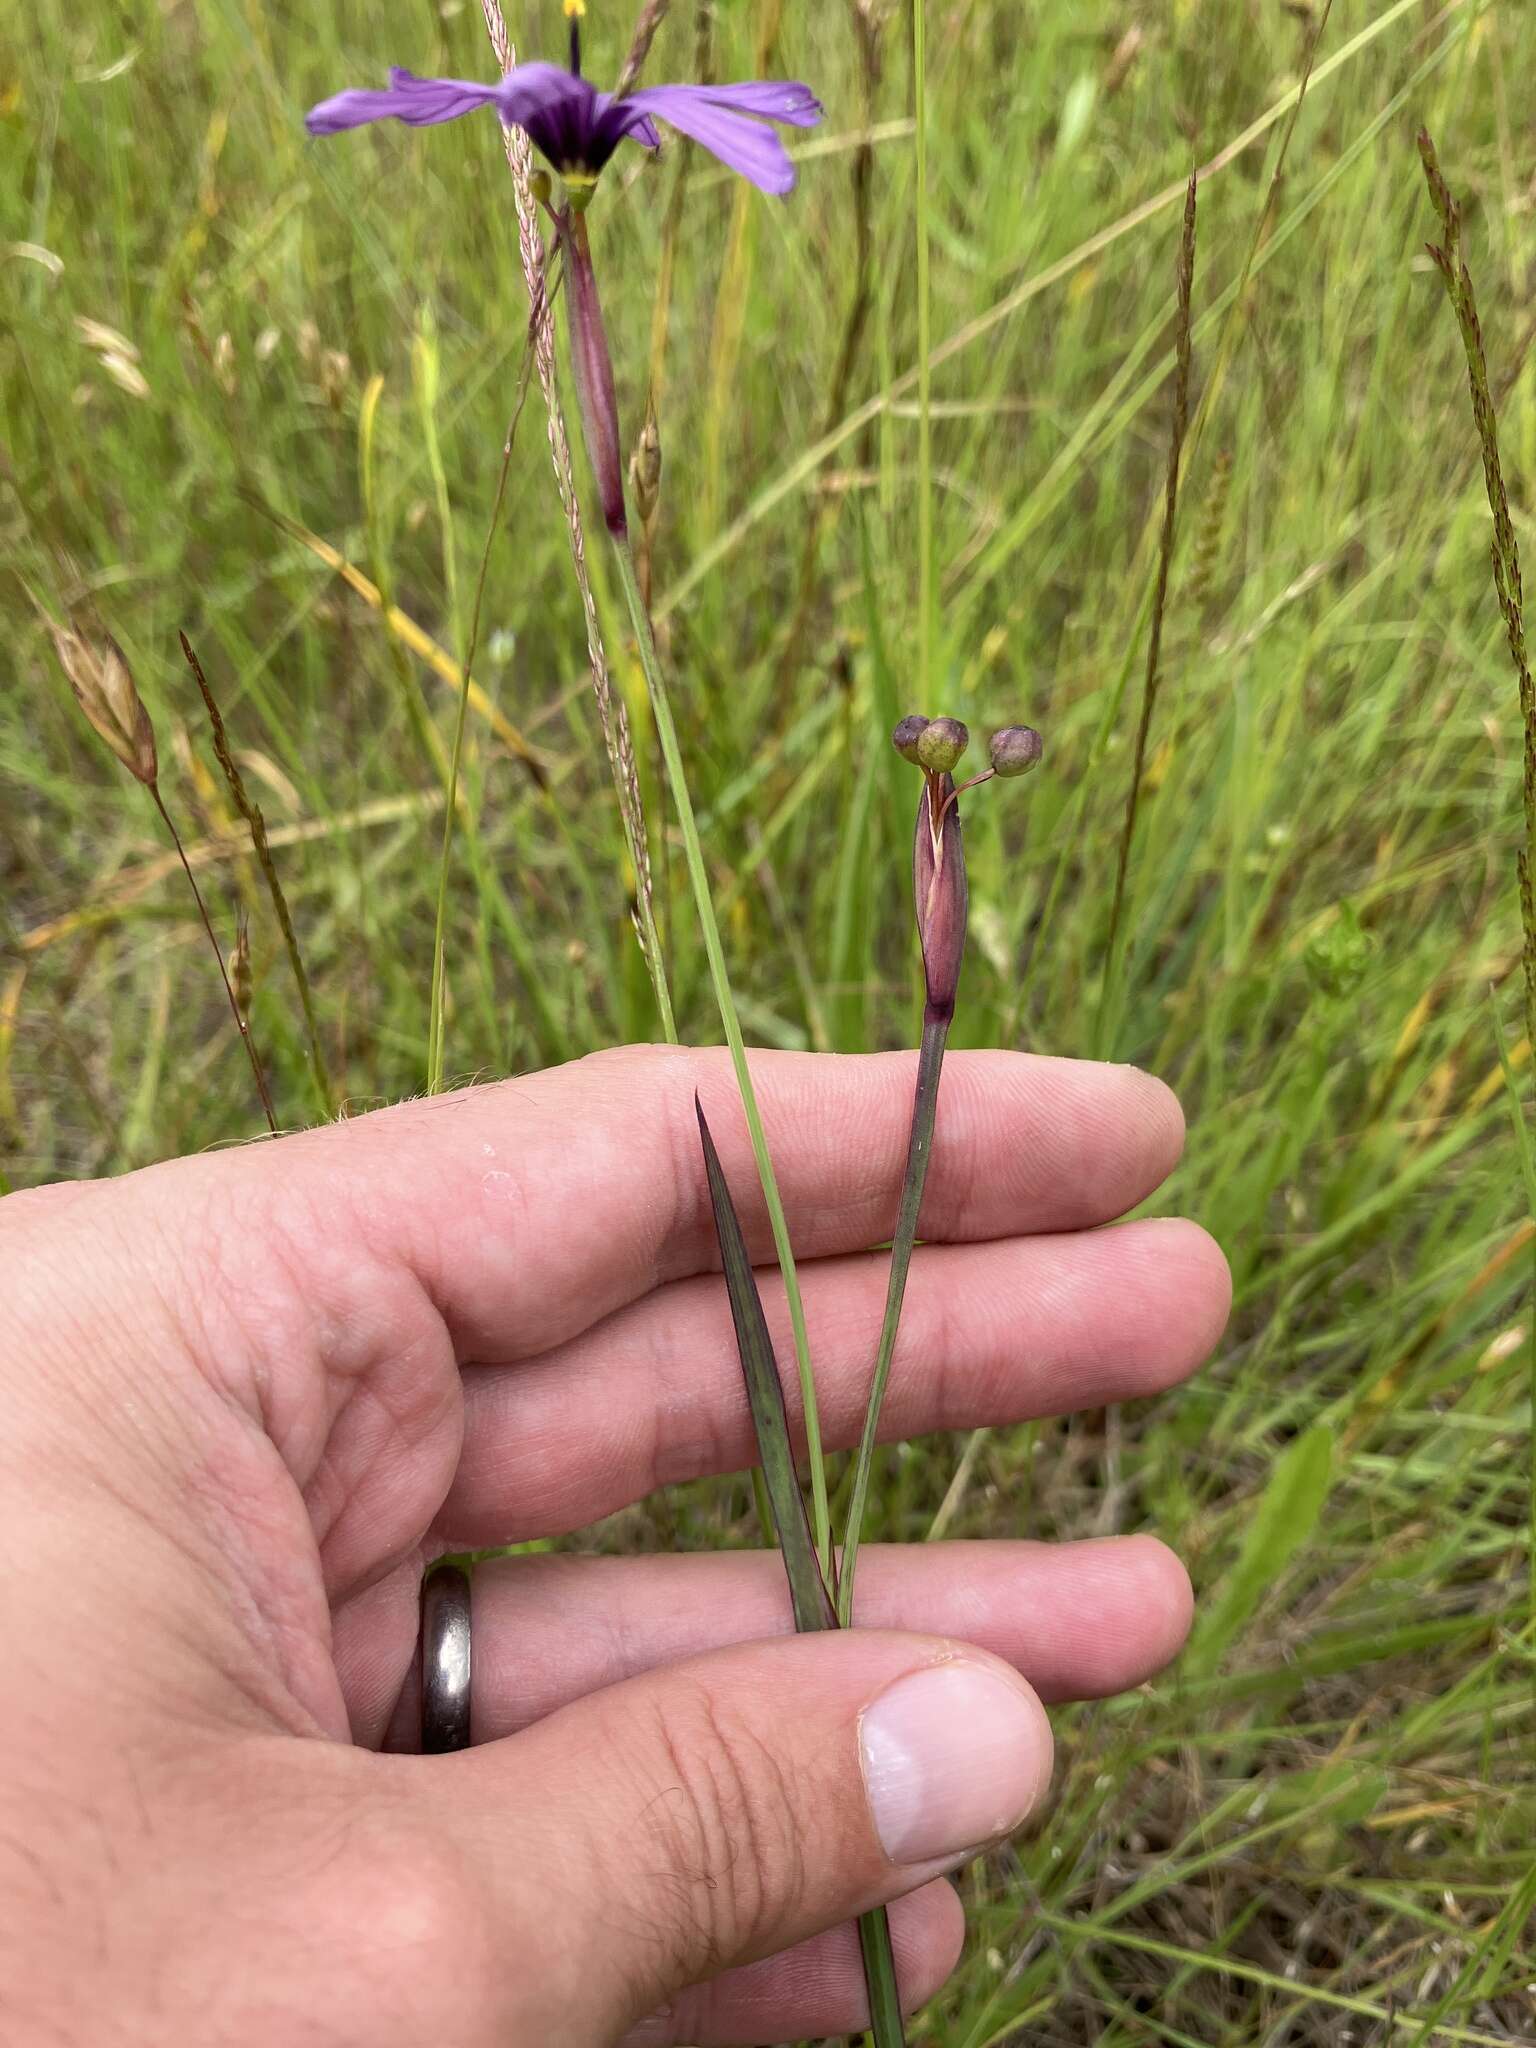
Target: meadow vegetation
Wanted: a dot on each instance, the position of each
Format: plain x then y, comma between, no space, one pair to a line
223,345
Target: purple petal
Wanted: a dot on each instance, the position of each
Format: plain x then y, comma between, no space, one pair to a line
742,143
535,93
543,98
419,102
773,99
614,119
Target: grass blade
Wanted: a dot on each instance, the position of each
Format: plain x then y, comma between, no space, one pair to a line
765,1395
1281,1524
809,1598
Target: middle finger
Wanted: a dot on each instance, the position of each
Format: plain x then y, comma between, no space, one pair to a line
991,1333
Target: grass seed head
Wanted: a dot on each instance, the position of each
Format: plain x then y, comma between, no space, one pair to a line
97,671
645,470
240,968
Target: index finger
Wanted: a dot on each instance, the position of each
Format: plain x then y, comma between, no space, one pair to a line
531,1208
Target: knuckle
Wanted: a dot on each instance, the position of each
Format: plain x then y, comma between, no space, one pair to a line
727,1825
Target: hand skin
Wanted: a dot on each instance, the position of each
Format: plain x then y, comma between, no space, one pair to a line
244,1397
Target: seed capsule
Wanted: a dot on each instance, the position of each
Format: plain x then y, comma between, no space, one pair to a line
941,744
907,734
1015,750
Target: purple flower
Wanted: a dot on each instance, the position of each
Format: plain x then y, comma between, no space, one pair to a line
578,128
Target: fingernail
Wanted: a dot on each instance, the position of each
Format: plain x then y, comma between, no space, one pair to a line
953,1756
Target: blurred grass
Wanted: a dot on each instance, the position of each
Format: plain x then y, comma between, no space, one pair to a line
1318,1829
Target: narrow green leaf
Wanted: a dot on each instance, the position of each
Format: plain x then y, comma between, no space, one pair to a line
809,1598
1285,1519
765,1396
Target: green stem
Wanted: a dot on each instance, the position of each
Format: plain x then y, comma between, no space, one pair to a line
924,374
666,733
925,1103
645,910
435,1032
880,1980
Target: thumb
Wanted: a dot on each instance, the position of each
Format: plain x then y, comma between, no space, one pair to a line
717,1811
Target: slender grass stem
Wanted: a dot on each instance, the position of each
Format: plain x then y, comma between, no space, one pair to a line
252,814
924,368
435,1035
666,732
930,1060
218,953
1504,554
435,1025
1153,676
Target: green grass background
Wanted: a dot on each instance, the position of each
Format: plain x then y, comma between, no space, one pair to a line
1318,1828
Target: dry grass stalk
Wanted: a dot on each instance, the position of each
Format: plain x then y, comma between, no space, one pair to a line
1505,555
1153,677
250,810
97,671
868,25
1504,551
645,496
117,897
404,629
652,15
672,220
612,716
728,324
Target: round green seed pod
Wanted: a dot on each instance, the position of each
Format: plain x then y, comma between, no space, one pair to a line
907,734
1015,750
940,745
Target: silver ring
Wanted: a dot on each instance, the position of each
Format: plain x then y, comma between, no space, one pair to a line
445,1660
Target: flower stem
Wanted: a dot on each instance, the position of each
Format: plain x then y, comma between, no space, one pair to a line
924,373
925,1101
880,1986
666,733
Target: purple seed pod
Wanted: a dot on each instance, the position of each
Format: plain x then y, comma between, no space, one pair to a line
941,744
1015,750
907,734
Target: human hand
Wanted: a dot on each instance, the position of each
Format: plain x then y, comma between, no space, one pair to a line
245,1397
